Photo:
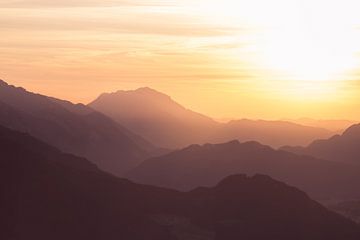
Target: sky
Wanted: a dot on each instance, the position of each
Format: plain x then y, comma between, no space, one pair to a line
266,59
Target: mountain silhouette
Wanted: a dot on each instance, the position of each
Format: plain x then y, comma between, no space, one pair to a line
45,196
349,209
339,148
72,128
335,125
273,133
166,123
205,165
155,116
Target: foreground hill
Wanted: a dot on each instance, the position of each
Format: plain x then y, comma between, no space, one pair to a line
205,165
72,128
350,209
166,123
45,197
340,148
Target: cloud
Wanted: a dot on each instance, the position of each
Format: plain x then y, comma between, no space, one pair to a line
118,27
82,3
116,20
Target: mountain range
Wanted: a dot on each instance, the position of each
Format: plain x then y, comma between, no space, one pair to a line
73,128
204,165
47,194
156,116
343,148
337,126
111,145
166,123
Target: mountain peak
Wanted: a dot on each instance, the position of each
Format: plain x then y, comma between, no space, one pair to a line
230,144
11,87
156,116
147,90
141,90
233,143
233,180
2,82
238,179
339,148
353,131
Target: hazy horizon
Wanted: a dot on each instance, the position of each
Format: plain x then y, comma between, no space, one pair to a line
226,59
224,119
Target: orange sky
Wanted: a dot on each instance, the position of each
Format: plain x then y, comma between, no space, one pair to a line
256,59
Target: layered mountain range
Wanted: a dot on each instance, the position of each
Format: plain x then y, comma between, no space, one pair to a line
343,148
47,194
206,164
166,123
73,128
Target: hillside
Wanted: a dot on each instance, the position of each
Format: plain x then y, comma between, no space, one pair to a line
73,128
207,164
43,197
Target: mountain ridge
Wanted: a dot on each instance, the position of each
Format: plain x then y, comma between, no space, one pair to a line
163,121
46,199
204,165
73,128
339,148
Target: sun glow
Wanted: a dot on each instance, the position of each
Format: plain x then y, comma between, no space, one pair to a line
310,40
311,50
296,57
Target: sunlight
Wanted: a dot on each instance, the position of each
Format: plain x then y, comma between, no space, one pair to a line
307,40
311,50
249,54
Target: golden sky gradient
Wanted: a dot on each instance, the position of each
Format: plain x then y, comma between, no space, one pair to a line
257,59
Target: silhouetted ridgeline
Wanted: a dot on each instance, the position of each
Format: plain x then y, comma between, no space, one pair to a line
343,148
205,165
45,196
350,209
72,128
155,116
166,123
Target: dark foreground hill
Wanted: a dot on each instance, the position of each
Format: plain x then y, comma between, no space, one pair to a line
46,194
206,165
72,128
343,148
350,209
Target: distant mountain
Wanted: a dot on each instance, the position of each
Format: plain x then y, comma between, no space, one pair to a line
44,197
155,116
72,128
333,125
166,123
339,148
273,133
205,165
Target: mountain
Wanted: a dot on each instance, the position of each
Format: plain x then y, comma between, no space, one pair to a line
45,197
72,128
273,133
166,123
155,116
334,125
339,148
205,165
349,209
